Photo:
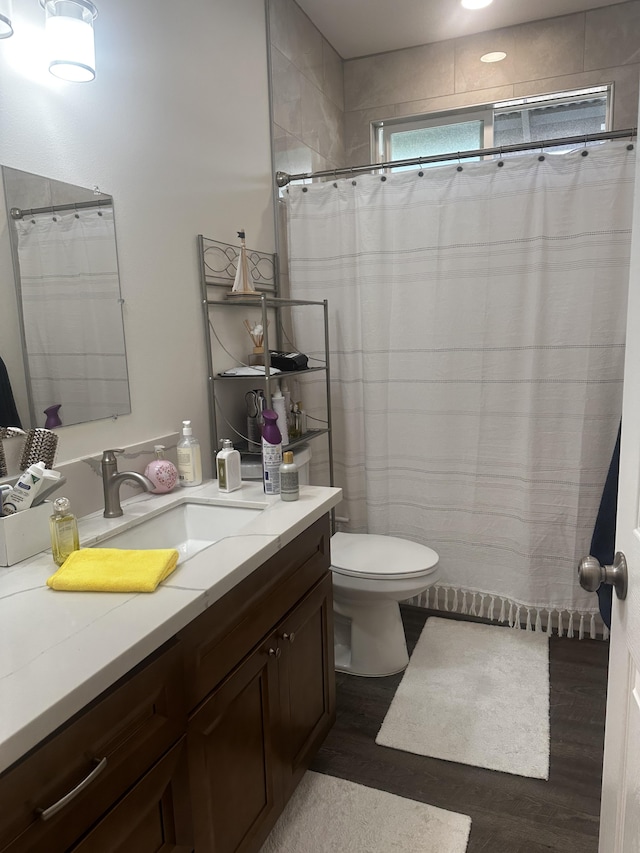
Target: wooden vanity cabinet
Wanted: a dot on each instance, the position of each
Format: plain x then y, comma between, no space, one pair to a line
106,749
201,745
254,734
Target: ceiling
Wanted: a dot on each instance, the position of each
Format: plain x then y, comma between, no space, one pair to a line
362,27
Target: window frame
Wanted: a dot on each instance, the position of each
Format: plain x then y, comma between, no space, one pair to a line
382,130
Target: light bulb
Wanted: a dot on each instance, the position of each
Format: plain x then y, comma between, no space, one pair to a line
475,4
69,37
6,19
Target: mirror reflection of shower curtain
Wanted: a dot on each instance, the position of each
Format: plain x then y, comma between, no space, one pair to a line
477,321
72,314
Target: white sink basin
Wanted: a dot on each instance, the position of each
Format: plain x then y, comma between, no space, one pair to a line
189,528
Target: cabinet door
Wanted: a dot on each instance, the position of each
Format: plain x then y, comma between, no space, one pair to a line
307,682
233,768
154,817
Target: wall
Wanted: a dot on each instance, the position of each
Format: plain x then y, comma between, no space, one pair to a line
10,340
307,93
176,128
568,52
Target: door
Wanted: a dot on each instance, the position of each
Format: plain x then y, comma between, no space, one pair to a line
307,682
233,766
620,818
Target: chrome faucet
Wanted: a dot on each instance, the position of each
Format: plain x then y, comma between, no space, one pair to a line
112,480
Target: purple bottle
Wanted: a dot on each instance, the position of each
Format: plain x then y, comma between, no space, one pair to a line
271,453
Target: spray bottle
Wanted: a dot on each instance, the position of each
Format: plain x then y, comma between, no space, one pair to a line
271,453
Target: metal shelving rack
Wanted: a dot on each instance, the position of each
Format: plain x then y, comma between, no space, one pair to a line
218,264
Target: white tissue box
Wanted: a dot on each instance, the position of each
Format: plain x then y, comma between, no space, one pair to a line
24,534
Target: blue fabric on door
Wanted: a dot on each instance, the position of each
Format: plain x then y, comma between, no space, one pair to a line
604,532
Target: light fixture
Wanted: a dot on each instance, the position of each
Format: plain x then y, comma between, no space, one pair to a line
69,37
475,4
6,27
495,56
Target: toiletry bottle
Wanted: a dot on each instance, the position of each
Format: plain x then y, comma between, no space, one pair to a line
289,480
189,460
253,400
64,531
228,467
162,472
279,407
271,453
25,490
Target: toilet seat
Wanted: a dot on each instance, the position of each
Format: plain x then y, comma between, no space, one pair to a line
369,555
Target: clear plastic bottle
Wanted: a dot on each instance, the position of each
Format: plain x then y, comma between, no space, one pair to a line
64,531
289,478
189,458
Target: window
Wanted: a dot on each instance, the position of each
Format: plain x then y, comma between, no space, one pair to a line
501,124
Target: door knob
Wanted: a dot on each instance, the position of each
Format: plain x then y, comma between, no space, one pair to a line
592,574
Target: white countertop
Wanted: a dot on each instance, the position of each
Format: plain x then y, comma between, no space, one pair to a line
59,650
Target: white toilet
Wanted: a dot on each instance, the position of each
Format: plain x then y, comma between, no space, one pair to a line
371,574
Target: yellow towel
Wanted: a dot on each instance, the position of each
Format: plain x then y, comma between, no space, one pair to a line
114,570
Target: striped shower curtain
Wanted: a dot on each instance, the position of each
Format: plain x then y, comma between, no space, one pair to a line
72,314
477,345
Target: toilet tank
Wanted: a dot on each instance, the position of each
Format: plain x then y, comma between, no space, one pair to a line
251,466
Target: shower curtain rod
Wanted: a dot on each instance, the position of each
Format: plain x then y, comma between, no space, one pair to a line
17,213
282,178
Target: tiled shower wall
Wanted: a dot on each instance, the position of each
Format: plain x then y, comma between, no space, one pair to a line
307,93
322,106
568,52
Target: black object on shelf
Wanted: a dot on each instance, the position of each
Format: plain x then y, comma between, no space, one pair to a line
288,361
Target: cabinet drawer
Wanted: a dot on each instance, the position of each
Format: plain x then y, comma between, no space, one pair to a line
113,741
219,639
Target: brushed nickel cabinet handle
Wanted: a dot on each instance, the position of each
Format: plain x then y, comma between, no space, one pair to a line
45,814
291,637
275,652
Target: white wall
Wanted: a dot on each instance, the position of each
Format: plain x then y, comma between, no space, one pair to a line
176,128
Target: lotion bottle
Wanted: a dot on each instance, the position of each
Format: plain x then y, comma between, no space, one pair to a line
289,479
228,467
64,531
189,459
25,490
279,407
271,453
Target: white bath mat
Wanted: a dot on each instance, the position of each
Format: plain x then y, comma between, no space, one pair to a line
477,694
329,815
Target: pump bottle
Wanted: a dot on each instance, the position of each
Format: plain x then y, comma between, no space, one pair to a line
189,459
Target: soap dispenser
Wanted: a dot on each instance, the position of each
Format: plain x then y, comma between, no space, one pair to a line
162,472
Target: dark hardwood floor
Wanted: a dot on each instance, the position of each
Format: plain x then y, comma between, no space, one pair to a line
510,814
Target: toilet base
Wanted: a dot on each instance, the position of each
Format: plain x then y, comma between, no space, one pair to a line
369,640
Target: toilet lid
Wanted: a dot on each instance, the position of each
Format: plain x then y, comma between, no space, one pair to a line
369,555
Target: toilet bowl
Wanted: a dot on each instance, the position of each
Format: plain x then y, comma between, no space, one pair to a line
371,575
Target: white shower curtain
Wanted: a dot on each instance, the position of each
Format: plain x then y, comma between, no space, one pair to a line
72,314
477,343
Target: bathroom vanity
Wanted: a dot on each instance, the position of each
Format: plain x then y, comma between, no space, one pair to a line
198,743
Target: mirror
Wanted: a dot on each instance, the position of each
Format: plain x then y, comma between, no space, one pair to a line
62,349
